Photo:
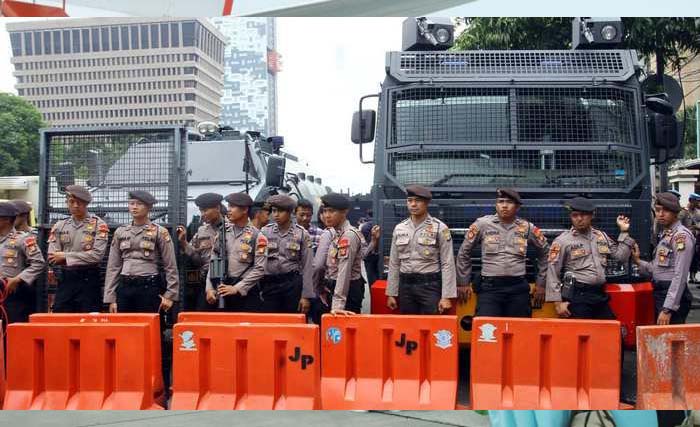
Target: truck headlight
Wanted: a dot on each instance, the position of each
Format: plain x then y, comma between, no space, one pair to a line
608,32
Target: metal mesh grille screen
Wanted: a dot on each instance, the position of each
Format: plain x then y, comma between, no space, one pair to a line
551,217
532,137
111,164
513,62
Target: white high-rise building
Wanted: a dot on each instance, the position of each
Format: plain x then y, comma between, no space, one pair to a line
251,63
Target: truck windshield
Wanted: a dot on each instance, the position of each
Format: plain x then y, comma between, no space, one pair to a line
529,137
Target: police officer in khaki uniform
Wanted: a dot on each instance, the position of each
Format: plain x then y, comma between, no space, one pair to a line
344,260
198,250
246,256
21,263
286,286
502,288
22,219
133,283
577,261
421,261
76,248
260,214
672,258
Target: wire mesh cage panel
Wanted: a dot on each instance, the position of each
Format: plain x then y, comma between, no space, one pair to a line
111,162
531,137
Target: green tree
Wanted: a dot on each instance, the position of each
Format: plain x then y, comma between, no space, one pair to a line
689,142
19,136
668,40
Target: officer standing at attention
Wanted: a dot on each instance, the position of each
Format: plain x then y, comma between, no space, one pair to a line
198,250
133,283
77,246
503,289
421,261
669,269
22,219
246,256
344,260
286,286
21,263
577,261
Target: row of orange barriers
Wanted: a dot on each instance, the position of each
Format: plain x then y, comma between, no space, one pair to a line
265,361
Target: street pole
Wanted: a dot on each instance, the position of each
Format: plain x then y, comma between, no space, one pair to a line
697,129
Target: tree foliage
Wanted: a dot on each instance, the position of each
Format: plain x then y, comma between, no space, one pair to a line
19,136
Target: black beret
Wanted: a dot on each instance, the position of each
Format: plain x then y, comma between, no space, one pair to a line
418,191
7,209
143,196
261,206
22,207
79,192
509,193
675,193
282,201
208,200
581,204
239,199
335,201
669,201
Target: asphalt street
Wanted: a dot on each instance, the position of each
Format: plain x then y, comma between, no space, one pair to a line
369,8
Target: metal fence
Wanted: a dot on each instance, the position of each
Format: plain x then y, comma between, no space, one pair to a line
110,162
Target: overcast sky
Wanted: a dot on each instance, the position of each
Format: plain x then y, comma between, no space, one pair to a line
328,64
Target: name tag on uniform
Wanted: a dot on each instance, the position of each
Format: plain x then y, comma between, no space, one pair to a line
578,253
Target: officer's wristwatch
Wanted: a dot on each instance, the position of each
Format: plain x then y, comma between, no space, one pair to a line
667,311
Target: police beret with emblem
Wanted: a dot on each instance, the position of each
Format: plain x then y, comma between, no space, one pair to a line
509,193
418,191
335,201
669,201
239,199
22,207
7,209
208,200
675,193
260,206
143,196
79,192
581,204
282,201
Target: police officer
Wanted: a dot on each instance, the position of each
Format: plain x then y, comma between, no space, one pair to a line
669,269
344,260
260,214
22,219
133,283
246,250
198,250
76,248
421,261
286,286
503,238
577,261
21,263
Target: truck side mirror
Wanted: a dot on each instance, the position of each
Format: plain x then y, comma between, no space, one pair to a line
65,175
664,134
363,125
659,105
274,176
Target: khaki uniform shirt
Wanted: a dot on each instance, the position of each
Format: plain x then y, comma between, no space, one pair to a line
288,251
672,258
84,243
425,248
586,256
20,256
137,250
503,249
247,256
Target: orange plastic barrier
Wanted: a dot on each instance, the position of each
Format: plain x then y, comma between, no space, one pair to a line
389,362
152,320
2,365
668,367
79,366
215,317
633,305
245,366
545,364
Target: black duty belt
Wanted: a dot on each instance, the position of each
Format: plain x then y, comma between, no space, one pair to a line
417,278
661,285
276,279
506,280
153,280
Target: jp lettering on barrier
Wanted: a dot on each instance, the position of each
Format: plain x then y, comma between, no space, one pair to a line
389,362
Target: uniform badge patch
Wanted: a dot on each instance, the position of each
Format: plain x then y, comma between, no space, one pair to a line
554,252
680,242
446,235
261,247
164,233
473,230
